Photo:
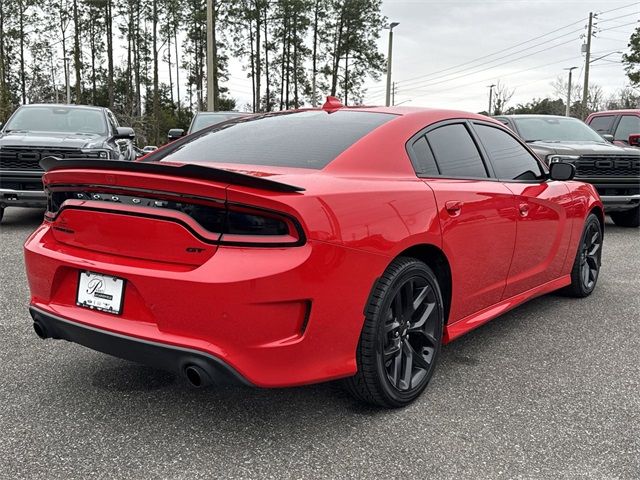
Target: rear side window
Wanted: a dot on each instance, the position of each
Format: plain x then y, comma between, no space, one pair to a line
602,124
510,160
422,158
629,124
456,152
301,139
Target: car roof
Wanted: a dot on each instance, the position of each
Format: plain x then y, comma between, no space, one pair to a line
63,105
530,115
616,112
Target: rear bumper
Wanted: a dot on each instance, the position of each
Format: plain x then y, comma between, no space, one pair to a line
272,315
166,357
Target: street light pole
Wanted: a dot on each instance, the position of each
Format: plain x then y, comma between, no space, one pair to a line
568,110
391,27
490,98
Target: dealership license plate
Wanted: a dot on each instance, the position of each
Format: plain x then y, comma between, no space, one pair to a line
100,292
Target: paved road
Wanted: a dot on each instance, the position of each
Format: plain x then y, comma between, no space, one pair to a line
550,390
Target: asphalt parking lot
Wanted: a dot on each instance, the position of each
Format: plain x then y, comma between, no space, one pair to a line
550,390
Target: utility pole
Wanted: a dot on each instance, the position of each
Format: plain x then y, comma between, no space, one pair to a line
568,110
66,79
210,74
490,98
391,27
585,89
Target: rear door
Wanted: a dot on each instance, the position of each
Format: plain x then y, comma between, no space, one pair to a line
543,233
477,214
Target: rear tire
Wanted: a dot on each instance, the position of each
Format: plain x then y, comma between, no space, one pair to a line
401,337
628,218
586,266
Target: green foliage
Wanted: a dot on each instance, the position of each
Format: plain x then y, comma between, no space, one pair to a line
631,60
151,69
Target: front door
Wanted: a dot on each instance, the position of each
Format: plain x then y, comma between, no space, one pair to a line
543,236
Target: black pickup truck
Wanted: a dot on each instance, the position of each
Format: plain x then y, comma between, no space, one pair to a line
612,169
35,132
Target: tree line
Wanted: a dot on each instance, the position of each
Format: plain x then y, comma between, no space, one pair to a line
114,52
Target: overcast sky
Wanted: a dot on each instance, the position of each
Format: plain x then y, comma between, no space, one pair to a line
441,35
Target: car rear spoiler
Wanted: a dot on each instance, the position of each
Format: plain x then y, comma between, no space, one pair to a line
185,170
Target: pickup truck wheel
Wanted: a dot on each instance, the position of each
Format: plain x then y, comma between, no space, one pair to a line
628,218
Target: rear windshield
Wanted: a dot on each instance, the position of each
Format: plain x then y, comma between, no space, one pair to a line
58,119
301,139
203,120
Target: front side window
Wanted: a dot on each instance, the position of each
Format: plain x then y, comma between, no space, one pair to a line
310,139
603,123
629,124
58,119
511,161
456,152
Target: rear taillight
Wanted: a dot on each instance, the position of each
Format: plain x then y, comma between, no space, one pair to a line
237,224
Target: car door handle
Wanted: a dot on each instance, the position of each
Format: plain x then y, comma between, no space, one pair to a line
453,207
524,209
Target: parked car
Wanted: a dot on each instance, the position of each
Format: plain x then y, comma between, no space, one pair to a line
612,169
616,125
203,120
34,132
300,247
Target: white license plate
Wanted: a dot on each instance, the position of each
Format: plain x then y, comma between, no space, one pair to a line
100,292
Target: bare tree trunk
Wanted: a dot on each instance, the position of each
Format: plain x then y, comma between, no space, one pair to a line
109,30
156,92
266,60
76,51
175,43
295,60
214,48
314,59
257,52
23,80
4,100
170,69
253,68
337,51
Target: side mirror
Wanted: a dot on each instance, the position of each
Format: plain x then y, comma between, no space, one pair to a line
124,133
175,133
608,137
634,140
562,171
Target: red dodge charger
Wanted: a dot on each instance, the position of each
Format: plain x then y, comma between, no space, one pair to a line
299,247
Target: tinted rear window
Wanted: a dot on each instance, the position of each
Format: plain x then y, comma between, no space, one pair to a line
301,139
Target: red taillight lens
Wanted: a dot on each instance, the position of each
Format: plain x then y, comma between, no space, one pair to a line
246,225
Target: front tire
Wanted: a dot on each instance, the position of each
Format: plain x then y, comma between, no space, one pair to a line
586,266
628,218
401,337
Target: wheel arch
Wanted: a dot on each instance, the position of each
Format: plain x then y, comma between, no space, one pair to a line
597,210
435,258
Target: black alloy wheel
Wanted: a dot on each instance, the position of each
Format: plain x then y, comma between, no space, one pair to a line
590,253
401,337
586,267
411,326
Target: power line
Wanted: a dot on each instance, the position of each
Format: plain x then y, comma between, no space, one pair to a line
495,53
619,8
493,66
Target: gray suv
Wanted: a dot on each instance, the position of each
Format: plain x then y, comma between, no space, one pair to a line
612,169
34,132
